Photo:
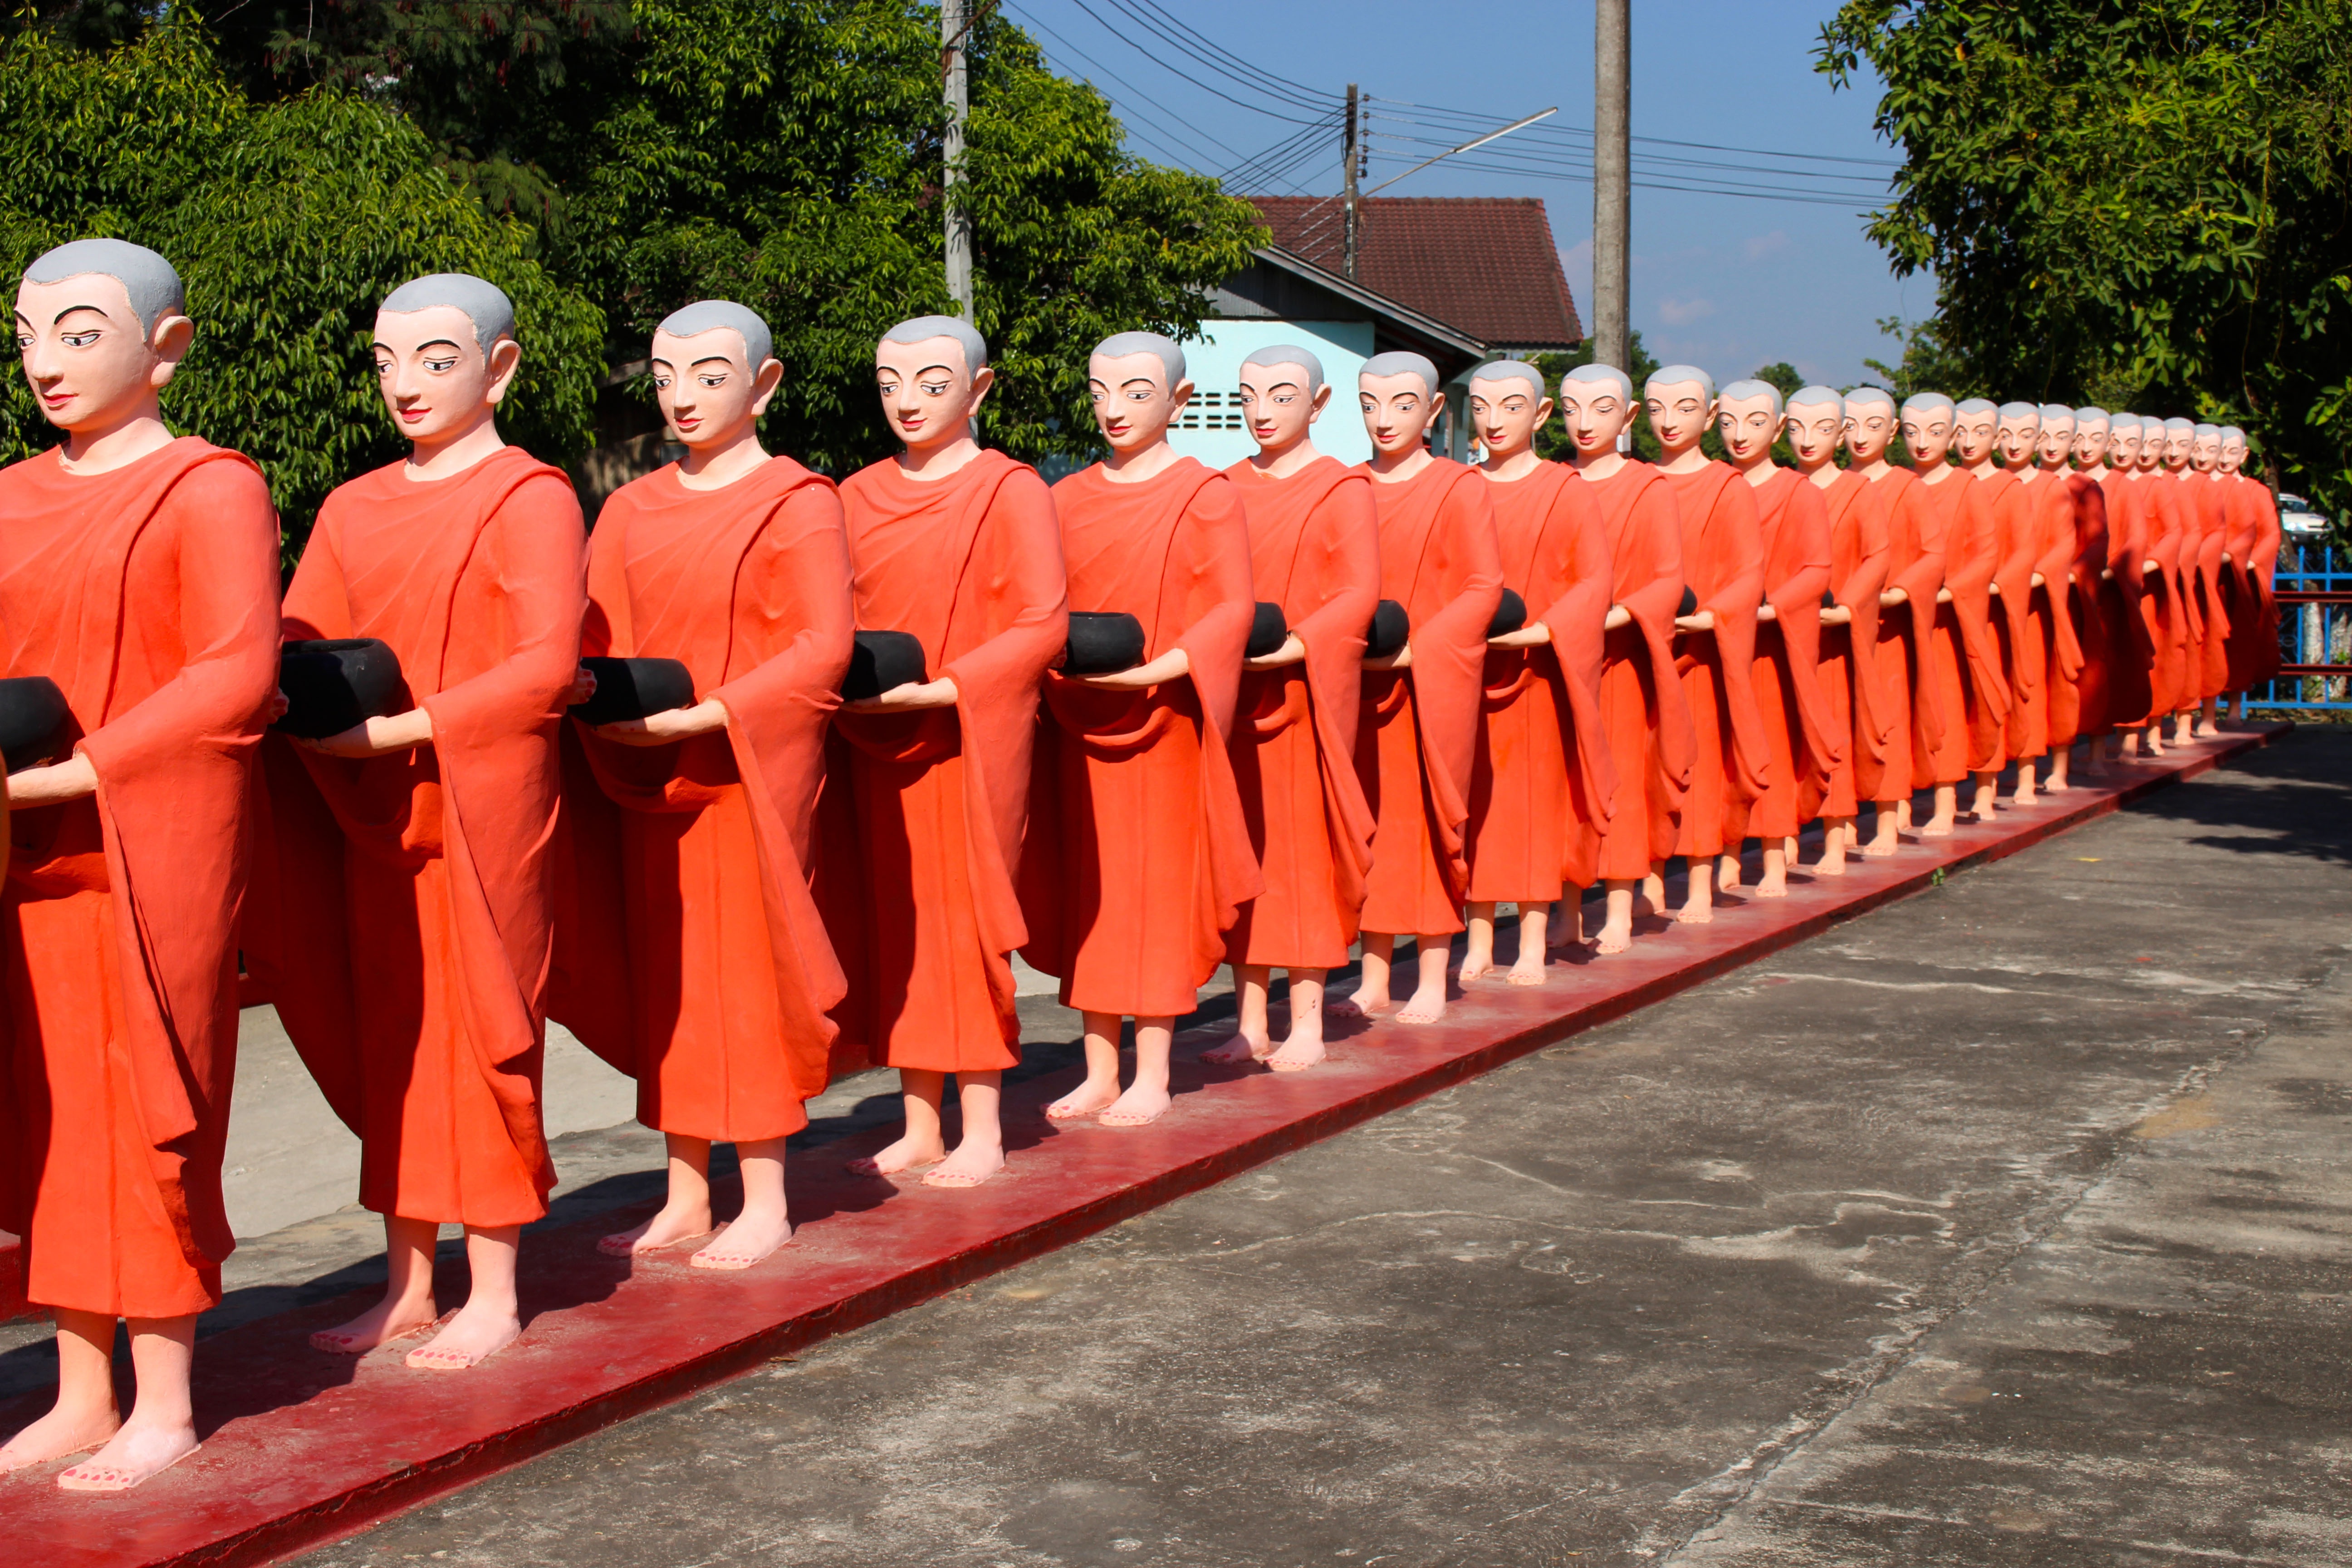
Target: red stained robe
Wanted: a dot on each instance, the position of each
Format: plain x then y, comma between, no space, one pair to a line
1959,645
1643,713
2204,501
2254,542
1911,715
1847,677
148,594
1807,742
1542,781
689,952
2031,513
1722,562
2167,597
921,841
2071,598
2131,638
407,943
1315,550
1418,734
1138,854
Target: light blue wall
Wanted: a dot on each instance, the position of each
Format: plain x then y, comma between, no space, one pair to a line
1211,428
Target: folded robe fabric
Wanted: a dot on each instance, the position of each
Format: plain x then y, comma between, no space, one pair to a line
2167,599
2020,639
2204,501
1976,681
2071,598
2254,542
406,933
689,952
1903,666
1643,713
1542,781
1806,744
148,593
2131,635
1723,562
1848,675
925,809
1964,547
1315,550
1139,856
1417,735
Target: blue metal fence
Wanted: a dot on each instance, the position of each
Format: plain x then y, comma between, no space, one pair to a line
2315,595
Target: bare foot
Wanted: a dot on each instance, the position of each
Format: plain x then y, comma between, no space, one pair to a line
1425,1005
55,1436
667,1228
1139,1107
1615,936
466,1339
746,1240
1363,1005
1727,873
1084,1101
1772,886
1939,825
379,1325
1692,914
1298,1053
906,1154
1566,927
1245,1046
967,1167
1527,970
137,1453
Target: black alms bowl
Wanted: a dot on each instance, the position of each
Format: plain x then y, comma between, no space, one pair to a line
1509,615
1103,643
1390,628
1268,631
881,662
334,683
1689,607
633,687
31,709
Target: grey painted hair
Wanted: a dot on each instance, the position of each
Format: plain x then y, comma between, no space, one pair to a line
1609,374
2088,412
1928,403
149,280
2010,411
2052,411
1120,345
712,315
1403,362
1976,405
2204,430
1510,370
1814,397
2228,431
2178,423
923,329
2124,422
1291,353
1676,375
482,303
1865,396
1744,390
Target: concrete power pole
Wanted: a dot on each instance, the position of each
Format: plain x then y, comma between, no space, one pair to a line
1613,190
955,21
1353,143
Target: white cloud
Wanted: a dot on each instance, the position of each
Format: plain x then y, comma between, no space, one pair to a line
1683,313
1759,247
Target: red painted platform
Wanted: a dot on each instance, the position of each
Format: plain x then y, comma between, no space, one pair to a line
301,1448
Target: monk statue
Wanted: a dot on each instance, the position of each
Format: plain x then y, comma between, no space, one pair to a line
2207,500
1974,568
1815,425
1315,556
1541,782
1138,858
407,938
928,784
1643,714
1418,738
2254,551
689,954
138,573
2040,538
1898,666
2077,699
1937,504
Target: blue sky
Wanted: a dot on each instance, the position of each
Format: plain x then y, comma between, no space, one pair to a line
1727,282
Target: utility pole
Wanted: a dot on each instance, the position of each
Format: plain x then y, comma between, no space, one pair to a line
955,22
1354,142
1613,189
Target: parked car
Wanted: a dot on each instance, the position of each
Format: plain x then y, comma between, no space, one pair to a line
2295,516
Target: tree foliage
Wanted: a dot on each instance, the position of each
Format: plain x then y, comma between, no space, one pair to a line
2140,200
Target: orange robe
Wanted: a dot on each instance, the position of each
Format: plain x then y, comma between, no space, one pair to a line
2167,600
1903,667
1807,743
1722,562
1847,677
1959,646
1542,780
407,939
922,847
2022,636
1417,735
1643,713
2254,540
1139,856
149,596
2203,499
2131,637
2070,598
689,952
1315,550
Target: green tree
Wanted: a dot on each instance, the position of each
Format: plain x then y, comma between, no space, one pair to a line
1552,441
2136,196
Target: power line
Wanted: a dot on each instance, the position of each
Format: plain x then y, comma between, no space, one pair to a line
1172,71
1136,94
1220,60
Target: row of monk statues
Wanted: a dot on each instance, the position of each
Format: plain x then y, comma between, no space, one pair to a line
769,779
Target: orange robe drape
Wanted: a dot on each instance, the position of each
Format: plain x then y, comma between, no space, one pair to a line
922,836
1315,550
689,952
1418,734
1542,781
1958,644
1139,856
407,941
148,594
1848,675
1722,562
2254,541
2071,598
1643,713
1917,523
2169,601
2131,629
1807,743
1982,554
2205,505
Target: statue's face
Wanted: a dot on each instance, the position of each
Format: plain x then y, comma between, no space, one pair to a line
1869,431
1279,405
2123,447
1679,412
2204,453
1397,411
433,375
2151,447
89,361
1928,432
2232,455
1746,426
1972,437
2056,440
1132,401
2091,443
2014,438
1506,415
1813,430
1595,413
2176,447
928,393
707,392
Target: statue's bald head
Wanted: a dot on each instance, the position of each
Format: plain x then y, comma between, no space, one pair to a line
923,329
1749,391
1403,362
480,301
1604,376
718,315
1503,371
1679,375
1816,396
1863,398
1124,345
1290,354
1928,403
150,282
